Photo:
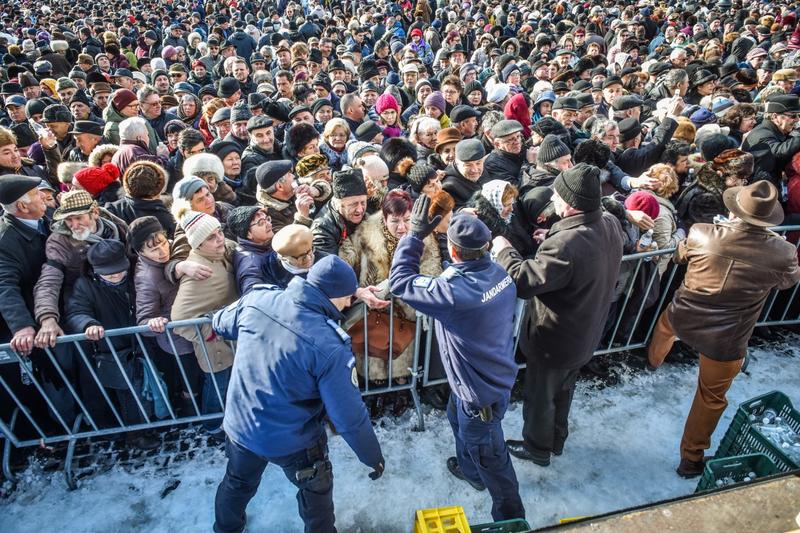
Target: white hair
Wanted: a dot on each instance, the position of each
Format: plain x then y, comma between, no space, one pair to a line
133,129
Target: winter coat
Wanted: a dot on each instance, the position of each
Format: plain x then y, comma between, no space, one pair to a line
159,123
459,187
569,285
664,232
132,151
111,129
367,252
197,298
731,268
129,209
244,43
278,398
247,260
634,161
701,201
180,245
512,230
65,257
772,151
282,213
95,303
111,193
505,166
252,157
22,254
154,298
330,230
61,65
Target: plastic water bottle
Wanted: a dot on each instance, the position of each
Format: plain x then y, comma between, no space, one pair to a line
646,240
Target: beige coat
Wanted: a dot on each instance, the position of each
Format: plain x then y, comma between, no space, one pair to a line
366,251
197,298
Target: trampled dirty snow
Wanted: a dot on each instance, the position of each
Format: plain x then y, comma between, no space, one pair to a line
622,452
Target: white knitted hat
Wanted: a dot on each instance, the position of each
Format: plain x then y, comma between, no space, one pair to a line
198,227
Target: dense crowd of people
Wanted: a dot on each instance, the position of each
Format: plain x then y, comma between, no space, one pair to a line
159,161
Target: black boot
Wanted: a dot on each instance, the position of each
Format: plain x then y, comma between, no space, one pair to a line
518,449
452,466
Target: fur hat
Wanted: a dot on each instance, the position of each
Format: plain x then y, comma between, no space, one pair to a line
310,164
66,171
349,183
100,151
144,179
734,163
298,136
395,150
203,163
95,179
685,130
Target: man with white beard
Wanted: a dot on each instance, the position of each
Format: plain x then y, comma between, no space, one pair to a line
77,224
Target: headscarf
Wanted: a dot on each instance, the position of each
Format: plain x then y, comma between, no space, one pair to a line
493,192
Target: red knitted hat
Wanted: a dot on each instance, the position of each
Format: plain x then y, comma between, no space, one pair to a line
386,101
122,98
94,179
643,201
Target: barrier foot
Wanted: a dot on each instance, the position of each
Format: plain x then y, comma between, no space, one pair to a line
68,475
7,450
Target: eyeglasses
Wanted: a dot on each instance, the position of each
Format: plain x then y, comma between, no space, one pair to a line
304,255
157,103
261,221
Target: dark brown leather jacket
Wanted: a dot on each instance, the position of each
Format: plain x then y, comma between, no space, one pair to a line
732,267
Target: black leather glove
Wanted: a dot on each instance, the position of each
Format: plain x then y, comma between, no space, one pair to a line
377,471
421,224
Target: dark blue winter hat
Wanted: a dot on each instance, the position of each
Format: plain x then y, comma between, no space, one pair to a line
468,232
333,277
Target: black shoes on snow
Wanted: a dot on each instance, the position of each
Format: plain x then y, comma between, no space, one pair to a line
688,469
452,466
518,449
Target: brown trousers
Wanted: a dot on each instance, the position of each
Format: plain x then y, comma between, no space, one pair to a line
709,403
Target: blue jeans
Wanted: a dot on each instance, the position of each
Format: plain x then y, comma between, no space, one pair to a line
243,475
483,457
210,401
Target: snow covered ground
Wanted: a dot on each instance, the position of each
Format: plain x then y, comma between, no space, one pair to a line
622,452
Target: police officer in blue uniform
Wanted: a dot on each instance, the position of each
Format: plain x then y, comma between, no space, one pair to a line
472,303
294,365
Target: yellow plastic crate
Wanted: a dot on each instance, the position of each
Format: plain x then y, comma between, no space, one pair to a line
441,520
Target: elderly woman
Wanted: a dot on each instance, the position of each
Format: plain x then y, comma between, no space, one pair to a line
334,143
740,118
702,200
494,205
370,251
210,169
666,232
198,297
422,133
190,110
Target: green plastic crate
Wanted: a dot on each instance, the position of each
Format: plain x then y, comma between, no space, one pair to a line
736,468
516,525
740,439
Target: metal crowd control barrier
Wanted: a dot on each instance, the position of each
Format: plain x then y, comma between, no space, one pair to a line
630,327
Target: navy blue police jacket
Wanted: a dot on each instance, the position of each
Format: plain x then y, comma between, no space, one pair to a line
472,304
293,365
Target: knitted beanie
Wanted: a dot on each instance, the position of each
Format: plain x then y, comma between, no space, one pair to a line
579,187
122,98
186,187
198,227
419,175
435,99
552,148
93,179
386,101
142,229
240,218
643,201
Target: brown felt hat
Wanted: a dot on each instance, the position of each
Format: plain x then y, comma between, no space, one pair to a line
447,136
756,204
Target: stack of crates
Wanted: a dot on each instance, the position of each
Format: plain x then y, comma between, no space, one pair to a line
744,450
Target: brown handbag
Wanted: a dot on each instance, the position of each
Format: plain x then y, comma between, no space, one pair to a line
378,335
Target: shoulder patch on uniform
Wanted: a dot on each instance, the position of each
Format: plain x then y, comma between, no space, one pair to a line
422,281
339,331
450,273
